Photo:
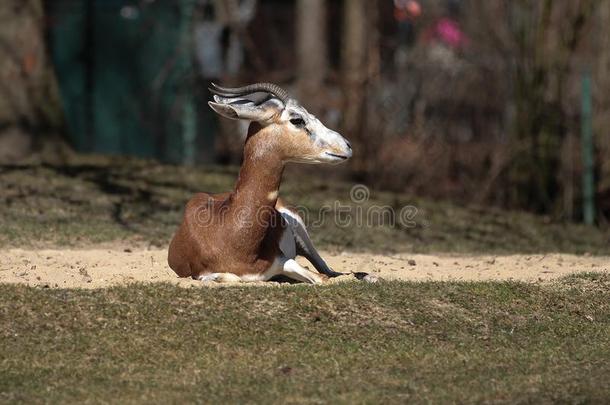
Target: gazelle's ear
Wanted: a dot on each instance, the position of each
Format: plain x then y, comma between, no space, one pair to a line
246,109
225,110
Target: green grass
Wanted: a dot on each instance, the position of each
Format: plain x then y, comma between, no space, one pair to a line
346,343
94,200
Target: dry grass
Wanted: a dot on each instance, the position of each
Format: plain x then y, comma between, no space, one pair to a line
95,200
349,343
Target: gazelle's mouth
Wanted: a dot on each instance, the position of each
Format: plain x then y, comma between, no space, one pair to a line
342,157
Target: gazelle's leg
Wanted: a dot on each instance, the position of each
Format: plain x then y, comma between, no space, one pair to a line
295,271
220,278
304,245
311,254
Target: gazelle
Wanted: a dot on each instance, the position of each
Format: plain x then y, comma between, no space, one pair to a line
250,234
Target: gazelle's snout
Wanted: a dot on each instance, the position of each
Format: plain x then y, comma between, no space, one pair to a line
328,146
338,148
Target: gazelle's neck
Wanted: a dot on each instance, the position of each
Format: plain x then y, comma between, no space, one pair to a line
257,188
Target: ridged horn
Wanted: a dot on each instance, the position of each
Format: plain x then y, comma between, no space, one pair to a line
252,88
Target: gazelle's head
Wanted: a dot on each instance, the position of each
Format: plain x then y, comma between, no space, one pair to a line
288,130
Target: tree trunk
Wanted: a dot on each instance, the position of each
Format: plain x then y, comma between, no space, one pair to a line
311,51
31,118
354,75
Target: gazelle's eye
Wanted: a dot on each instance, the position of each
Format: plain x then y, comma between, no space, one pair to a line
297,122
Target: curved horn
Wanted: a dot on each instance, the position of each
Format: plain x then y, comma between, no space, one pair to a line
253,88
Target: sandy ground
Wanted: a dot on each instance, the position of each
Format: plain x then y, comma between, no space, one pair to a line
104,267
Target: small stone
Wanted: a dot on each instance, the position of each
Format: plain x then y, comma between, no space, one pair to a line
411,262
286,370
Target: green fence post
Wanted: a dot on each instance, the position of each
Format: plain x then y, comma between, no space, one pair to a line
588,181
189,117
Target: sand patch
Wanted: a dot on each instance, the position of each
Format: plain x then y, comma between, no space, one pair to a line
98,268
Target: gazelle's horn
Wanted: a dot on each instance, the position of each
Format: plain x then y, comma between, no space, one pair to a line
253,88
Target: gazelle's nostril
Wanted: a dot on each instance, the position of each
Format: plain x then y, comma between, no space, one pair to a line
349,145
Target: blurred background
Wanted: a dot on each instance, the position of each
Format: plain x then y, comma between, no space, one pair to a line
503,103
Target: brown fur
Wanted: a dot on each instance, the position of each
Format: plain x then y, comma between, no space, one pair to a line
241,232
236,232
